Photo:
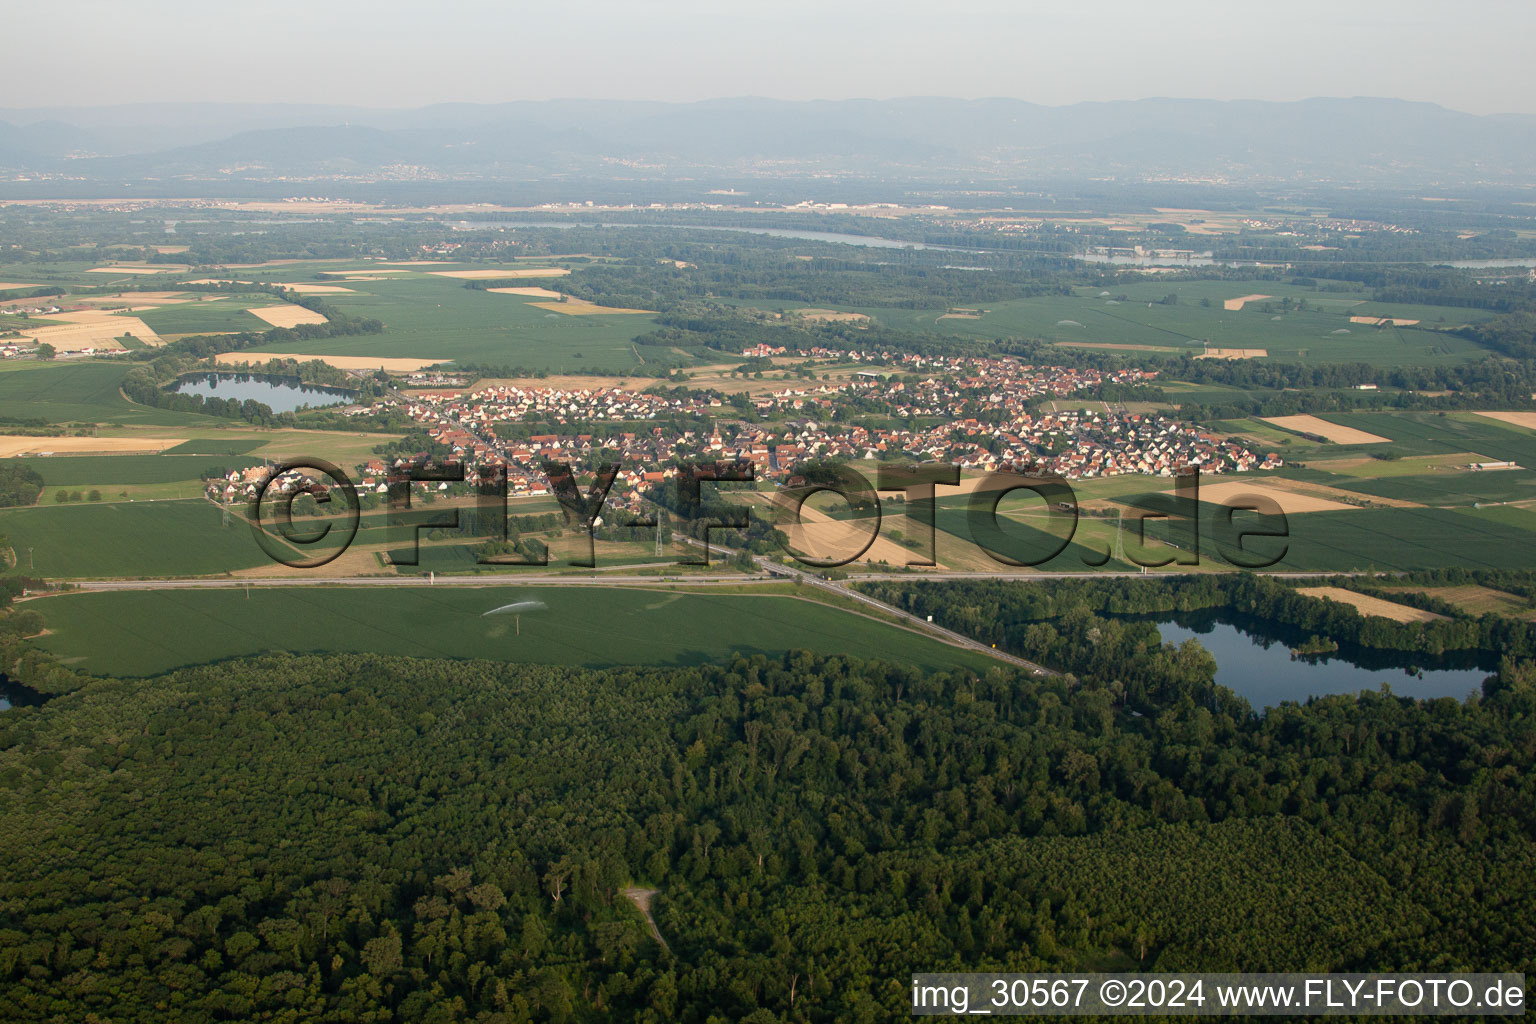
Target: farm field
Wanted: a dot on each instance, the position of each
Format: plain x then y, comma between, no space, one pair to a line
85,392
1453,488
1411,538
1321,333
1023,536
437,318
85,470
1445,434
1475,600
1326,536
143,633
44,445
1365,604
286,315
1333,432
129,539
224,315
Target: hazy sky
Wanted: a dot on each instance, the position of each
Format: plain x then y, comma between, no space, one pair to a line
1471,55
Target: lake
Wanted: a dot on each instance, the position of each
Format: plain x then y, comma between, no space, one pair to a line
282,394
1254,661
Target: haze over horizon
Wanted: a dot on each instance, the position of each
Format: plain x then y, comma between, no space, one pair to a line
393,54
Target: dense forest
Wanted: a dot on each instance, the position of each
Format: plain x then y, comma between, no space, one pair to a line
356,838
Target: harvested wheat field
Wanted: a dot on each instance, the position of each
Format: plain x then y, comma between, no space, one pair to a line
1367,605
6,286
581,307
1382,321
387,364
1231,492
959,316
539,293
286,315
1515,419
476,275
1322,428
818,536
829,316
1238,303
134,270
139,300
1233,353
97,329
15,444
315,289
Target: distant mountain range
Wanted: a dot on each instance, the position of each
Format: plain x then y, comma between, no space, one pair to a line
1341,141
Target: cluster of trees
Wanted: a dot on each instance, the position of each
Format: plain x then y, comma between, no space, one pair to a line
15,623
20,484
63,495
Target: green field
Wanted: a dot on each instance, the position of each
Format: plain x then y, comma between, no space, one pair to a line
1141,319
1451,488
1427,433
147,632
113,470
1411,538
215,446
1024,533
437,317
80,392
227,315
146,538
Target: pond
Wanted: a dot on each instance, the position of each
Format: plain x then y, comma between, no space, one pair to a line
282,394
1253,659
15,696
